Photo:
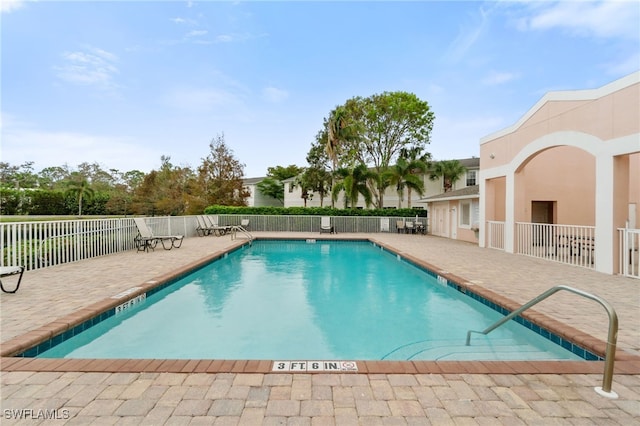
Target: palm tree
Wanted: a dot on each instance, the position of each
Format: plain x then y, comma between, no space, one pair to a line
338,131
402,175
422,163
354,182
80,188
450,171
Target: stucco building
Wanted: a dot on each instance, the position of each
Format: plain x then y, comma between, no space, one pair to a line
573,159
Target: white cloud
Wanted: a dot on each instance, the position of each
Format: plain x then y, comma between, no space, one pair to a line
273,94
94,67
201,99
602,19
197,33
21,143
495,78
470,33
7,6
224,38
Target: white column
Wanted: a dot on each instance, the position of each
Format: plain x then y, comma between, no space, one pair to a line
509,214
482,221
604,214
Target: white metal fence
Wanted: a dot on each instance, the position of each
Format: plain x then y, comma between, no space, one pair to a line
494,235
46,243
286,223
629,252
569,244
40,244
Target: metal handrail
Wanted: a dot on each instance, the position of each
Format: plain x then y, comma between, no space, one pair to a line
236,228
612,336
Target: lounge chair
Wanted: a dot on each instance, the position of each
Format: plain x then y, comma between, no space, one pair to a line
245,223
203,227
5,271
400,226
326,226
145,239
216,229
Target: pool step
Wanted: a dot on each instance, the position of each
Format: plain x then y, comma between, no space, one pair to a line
498,349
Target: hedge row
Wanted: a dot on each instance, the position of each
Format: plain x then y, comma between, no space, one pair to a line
313,211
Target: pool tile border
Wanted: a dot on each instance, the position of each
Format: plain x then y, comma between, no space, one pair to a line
43,337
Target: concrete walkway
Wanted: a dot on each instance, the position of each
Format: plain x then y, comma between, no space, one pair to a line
263,398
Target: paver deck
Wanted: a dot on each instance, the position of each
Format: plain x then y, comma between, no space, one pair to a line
241,392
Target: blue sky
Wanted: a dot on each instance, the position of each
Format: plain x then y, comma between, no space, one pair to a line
122,83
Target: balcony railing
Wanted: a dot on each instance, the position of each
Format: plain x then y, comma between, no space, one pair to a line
568,244
629,252
495,235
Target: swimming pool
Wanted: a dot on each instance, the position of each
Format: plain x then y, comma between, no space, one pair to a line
307,300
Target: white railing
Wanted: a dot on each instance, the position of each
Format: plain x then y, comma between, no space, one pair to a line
38,244
41,244
495,235
568,244
629,252
300,223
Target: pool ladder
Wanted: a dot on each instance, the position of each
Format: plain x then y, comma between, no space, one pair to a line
238,228
612,337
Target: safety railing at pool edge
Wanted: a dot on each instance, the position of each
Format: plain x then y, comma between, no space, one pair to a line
612,337
236,228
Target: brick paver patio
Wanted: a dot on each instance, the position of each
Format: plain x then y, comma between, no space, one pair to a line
247,393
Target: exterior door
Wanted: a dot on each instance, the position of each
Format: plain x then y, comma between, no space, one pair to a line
440,219
542,212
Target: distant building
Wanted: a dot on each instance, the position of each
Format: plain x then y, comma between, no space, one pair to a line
454,214
257,198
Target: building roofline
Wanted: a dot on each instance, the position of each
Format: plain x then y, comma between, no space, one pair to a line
567,95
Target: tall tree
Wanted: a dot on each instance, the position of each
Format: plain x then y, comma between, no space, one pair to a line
420,162
53,177
354,182
220,175
340,131
79,187
387,123
449,170
21,176
167,191
402,175
318,175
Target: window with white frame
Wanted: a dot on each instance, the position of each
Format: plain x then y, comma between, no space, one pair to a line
471,177
465,213
469,213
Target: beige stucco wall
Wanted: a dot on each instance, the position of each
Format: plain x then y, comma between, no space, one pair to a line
609,117
565,175
578,150
634,184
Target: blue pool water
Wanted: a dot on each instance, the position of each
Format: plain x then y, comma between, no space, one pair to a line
307,300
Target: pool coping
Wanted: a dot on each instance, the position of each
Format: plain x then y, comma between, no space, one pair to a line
626,363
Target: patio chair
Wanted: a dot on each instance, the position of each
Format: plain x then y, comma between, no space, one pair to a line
203,228
216,229
326,226
5,271
409,228
400,226
146,240
244,223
